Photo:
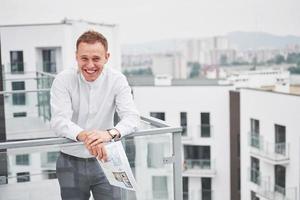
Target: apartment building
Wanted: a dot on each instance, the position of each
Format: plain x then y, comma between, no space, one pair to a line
270,141
25,50
201,108
48,47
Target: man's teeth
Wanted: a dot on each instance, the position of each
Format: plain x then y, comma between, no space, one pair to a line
90,71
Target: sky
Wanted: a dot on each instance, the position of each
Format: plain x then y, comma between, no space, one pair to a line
149,20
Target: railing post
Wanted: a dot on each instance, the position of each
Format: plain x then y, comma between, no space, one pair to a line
3,155
177,166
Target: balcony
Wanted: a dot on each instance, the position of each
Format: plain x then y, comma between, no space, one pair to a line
37,179
204,194
271,191
273,153
33,176
16,67
199,168
254,176
197,132
205,130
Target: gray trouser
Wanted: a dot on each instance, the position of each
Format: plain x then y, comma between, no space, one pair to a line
78,177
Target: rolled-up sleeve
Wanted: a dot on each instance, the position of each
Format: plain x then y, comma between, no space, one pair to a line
126,109
61,110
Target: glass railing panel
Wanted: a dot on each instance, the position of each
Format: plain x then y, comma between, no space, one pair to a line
27,115
255,176
29,173
146,156
197,164
255,140
205,130
33,169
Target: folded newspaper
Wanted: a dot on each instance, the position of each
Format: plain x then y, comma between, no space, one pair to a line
117,168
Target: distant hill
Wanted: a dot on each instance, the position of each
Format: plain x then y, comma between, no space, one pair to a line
255,40
241,40
160,46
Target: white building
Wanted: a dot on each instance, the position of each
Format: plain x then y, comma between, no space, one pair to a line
205,119
270,145
27,48
275,79
171,64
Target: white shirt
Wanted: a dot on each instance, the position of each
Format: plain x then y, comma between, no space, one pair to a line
78,105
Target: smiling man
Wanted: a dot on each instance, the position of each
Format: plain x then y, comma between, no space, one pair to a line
83,103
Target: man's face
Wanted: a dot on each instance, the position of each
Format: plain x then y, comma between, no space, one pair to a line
91,59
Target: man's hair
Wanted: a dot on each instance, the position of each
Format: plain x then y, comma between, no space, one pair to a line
91,37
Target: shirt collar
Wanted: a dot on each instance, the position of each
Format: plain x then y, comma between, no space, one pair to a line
95,82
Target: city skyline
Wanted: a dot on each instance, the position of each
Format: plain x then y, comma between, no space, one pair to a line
144,21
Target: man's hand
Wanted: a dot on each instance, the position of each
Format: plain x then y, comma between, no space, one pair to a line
82,135
93,140
100,151
96,137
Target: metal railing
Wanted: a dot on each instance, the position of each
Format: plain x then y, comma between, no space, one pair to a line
157,132
255,176
205,130
273,152
269,190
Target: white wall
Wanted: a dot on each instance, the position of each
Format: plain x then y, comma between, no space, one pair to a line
270,108
195,99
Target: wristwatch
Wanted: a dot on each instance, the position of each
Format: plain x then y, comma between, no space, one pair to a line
113,133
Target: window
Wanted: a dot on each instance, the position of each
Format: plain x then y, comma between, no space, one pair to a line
183,123
158,115
155,155
205,124
206,188
16,62
255,174
254,132
52,156
49,174
23,177
253,196
160,187
18,98
185,188
197,157
22,159
20,114
49,61
254,126
280,141
280,179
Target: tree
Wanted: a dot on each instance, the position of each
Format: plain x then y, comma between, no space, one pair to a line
223,60
293,58
279,59
195,69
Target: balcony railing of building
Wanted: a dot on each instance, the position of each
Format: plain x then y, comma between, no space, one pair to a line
274,153
34,172
271,191
254,176
205,130
197,131
16,67
28,155
199,167
204,194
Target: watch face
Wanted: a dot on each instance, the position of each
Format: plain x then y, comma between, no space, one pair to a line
112,133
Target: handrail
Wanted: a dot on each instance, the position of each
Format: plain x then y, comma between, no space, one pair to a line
67,142
46,74
23,91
